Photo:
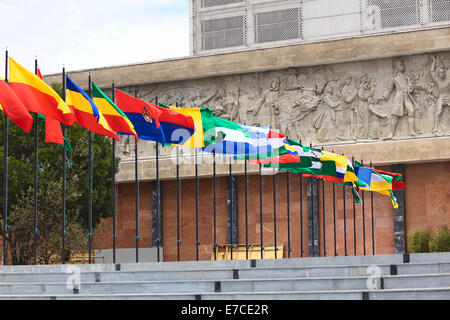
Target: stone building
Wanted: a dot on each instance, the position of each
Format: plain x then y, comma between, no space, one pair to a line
365,78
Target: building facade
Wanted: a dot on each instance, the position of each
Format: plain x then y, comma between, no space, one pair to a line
379,96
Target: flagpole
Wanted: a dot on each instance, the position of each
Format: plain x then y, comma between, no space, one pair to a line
5,171
231,209
373,223
275,214
364,219
63,173
90,169
345,222
113,184
323,219
354,217
261,210
301,215
136,176
158,193
288,191
334,216
36,159
178,202
246,208
215,204
197,242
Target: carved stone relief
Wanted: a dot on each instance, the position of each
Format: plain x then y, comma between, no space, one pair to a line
357,101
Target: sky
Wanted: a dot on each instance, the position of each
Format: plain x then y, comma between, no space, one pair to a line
84,34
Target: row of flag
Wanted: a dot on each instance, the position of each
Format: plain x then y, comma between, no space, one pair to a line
186,127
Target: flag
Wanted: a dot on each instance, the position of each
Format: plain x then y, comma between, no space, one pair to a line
285,155
397,179
13,107
53,131
86,112
290,156
235,140
36,95
178,128
341,167
378,182
204,124
143,115
264,140
116,119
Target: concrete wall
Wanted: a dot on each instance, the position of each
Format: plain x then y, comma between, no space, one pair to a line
427,208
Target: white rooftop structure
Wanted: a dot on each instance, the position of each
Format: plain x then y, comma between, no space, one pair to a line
230,25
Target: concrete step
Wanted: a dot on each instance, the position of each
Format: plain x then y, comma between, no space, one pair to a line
240,264
222,274
238,285
395,294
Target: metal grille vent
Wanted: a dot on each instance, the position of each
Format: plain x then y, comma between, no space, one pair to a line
223,33
439,10
393,13
278,25
215,3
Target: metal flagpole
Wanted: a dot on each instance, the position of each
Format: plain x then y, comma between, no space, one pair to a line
36,159
136,178
178,202
158,193
345,222
334,218
215,206
364,220
373,222
5,171
231,209
246,208
323,219
288,191
301,215
275,214
197,242
261,210
63,173
90,170
354,217
113,178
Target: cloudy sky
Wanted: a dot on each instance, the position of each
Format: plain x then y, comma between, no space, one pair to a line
83,34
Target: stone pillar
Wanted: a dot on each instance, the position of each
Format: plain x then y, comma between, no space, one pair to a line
399,216
232,210
313,218
157,216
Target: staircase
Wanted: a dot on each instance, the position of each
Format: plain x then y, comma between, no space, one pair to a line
382,277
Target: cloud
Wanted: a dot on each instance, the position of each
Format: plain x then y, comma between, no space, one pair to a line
96,33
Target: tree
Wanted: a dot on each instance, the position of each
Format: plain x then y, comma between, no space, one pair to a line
21,184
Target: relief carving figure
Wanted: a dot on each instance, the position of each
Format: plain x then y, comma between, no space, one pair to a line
272,101
320,122
348,92
256,102
439,75
402,102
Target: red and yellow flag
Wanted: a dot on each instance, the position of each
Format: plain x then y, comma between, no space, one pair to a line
36,95
11,105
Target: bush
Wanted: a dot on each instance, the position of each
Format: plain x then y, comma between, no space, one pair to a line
440,241
419,241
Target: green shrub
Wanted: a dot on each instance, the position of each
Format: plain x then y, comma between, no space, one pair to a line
440,241
419,241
